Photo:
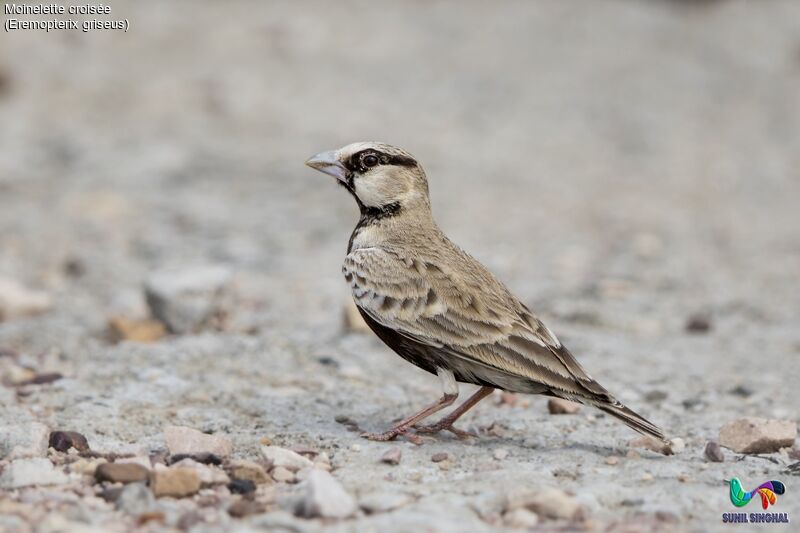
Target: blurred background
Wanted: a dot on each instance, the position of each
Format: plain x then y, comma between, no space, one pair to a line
630,169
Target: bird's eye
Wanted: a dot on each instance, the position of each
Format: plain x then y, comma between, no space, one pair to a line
370,160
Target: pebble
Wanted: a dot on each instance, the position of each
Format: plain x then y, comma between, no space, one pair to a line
500,454
612,460
182,440
209,475
41,378
62,441
135,499
188,300
352,320
713,452
121,473
243,508
382,502
17,301
23,440
282,474
698,323
439,457
557,406
285,458
326,498
521,518
249,470
758,435
392,456
174,482
241,486
136,330
674,446
647,476
356,448
31,471
546,502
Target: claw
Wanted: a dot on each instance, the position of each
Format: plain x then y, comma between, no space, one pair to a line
393,434
445,425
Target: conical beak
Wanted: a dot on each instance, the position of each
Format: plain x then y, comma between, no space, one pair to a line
328,163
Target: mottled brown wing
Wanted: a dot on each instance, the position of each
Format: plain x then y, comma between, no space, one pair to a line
471,317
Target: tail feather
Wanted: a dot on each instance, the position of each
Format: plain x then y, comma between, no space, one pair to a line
632,419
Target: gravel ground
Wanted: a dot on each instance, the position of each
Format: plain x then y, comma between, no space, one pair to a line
630,169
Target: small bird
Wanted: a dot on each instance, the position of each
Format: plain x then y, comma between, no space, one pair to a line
439,308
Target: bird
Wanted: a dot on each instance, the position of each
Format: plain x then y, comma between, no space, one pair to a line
439,308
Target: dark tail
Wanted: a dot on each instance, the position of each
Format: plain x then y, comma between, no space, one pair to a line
633,420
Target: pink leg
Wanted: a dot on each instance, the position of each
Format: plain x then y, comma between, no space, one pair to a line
446,423
402,427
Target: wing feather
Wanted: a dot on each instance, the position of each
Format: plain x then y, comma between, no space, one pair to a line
475,320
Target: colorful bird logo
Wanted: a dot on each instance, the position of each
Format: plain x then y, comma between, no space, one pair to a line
768,492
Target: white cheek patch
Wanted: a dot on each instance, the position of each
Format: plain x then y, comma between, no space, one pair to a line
370,191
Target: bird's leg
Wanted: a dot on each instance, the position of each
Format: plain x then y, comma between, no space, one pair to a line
446,423
450,389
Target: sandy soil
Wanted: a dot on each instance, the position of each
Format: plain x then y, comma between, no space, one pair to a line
623,166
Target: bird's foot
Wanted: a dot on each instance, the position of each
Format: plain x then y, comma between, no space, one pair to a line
445,425
392,434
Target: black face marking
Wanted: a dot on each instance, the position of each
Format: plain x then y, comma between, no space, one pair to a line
370,215
365,159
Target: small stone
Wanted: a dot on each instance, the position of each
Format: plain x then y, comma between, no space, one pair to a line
508,398
612,460
136,330
121,473
285,458
184,440
353,322
439,457
282,474
392,456
651,444
189,300
741,390
698,323
633,454
342,419
647,476
655,396
383,502
265,441
713,452
18,441
41,378
29,472
209,475
758,435
248,470
683,478
557,406
326,498
676,446
62,441
174,482
135,499
521,519
243,508
500,454
547,502
242,486
17,301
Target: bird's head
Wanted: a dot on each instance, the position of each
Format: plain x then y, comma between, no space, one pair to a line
379,176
